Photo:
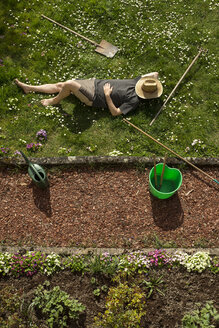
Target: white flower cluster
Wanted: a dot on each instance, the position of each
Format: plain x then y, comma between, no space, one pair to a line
180,257
5,259
142,261
136,260
52,264
197,262
12,104
115,153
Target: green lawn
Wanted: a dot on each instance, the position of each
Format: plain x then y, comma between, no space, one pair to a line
161,35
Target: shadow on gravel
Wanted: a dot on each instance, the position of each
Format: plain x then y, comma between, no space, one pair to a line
42,199
167,213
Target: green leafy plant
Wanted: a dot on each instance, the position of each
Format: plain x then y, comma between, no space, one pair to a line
104,288
205,317
10,315
93,281
27,264
134,262
197,262
214,265
152,285
125,307
104,263
5,263
52,264
56,306
97,292
76,263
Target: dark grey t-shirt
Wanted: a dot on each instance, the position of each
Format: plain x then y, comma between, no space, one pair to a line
123,95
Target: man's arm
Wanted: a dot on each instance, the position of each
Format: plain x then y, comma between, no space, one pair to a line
113,109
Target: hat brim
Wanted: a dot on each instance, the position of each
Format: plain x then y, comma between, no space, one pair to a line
148,95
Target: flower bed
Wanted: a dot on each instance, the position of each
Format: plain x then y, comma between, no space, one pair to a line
154,288
31,263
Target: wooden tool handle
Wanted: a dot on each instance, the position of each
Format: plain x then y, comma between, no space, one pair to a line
162,174
155,172
68,29
170,150
180,80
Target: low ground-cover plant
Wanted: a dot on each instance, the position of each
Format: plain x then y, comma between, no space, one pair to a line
56,306
10,309
52,264
41,135
197,262
104,263
128,284
125,307
203,316
76,263
5,263
27,264
152,284
30,263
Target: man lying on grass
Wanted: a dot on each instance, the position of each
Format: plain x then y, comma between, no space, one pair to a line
120,96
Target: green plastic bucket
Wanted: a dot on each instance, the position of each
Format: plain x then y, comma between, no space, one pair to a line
172,180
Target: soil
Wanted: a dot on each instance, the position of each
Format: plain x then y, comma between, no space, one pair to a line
182,290
107,207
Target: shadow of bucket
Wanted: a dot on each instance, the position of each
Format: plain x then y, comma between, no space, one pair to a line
172,180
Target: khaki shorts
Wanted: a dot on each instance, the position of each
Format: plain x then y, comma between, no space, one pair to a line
87,88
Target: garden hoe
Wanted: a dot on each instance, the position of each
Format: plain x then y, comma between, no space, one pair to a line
104,48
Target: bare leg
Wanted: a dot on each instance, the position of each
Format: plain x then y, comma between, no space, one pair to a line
63,88
45,88
67,88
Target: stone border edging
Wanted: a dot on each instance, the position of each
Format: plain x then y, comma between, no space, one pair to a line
110,160
90,250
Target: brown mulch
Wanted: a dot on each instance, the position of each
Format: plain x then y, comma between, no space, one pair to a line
107,207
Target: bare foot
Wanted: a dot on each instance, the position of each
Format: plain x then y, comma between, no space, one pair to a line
25,87
48,102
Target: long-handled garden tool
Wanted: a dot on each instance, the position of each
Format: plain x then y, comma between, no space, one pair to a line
162,173
180,80
170,150
155,172
104,48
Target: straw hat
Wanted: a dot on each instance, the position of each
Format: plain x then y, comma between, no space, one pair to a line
148,87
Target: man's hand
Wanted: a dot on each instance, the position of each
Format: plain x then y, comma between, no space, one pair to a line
107,89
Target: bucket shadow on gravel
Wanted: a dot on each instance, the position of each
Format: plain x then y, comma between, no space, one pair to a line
167,213
41,199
